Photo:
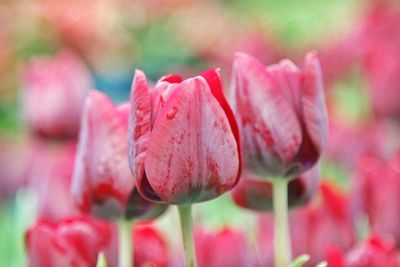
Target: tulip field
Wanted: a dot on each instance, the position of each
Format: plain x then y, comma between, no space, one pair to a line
190,133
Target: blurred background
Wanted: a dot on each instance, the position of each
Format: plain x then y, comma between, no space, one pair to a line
100,44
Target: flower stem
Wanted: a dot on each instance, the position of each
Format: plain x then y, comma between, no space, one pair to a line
125,258
281,223
185,215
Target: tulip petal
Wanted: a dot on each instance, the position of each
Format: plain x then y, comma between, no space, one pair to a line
314,112
139,126
101,170
193,153
271,132
214,81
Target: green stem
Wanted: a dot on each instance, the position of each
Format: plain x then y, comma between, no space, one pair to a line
282,244
185,216
125,258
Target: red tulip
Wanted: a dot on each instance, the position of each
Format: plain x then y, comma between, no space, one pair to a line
73,242
376,193
374,252
255,194
183,139
49,174
225,248
102,182
150,247
314,228
53,94
281,114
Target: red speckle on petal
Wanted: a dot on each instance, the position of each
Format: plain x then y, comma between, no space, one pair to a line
172,112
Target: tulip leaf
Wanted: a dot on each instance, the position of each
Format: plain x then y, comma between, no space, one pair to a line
300,260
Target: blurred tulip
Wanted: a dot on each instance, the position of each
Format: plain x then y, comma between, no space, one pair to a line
225,248
255,194
73,242
314,228
150,248
374,252
102,182
53,94
49,175
376,193
281,114
183,139
380,41
14,161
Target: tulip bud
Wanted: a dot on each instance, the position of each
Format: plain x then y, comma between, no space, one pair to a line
54,90
102,182
281,114
73,242
183,139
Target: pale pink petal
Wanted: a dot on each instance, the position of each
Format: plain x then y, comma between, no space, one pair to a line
193,153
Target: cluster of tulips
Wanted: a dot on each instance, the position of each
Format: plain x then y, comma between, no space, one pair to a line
105,173
176,142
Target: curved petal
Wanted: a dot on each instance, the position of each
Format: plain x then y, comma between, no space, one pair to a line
270,130
139,127
214,81
314,111
193,153
172,78
101,176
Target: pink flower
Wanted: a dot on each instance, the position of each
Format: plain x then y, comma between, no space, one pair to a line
102,182
376,193
73,242
380,41
373,252
255,194
49,173
150,247
53,93
324,223
281,114
183,139
225,248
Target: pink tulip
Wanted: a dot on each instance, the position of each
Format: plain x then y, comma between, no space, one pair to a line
73,242
150,247
380,41
224,248
376,193
49,174
183,139
53,93
373,252
255,194
102,182
324,223
281,114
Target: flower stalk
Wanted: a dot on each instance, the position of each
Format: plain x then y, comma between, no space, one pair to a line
282,243
185,216
125,257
